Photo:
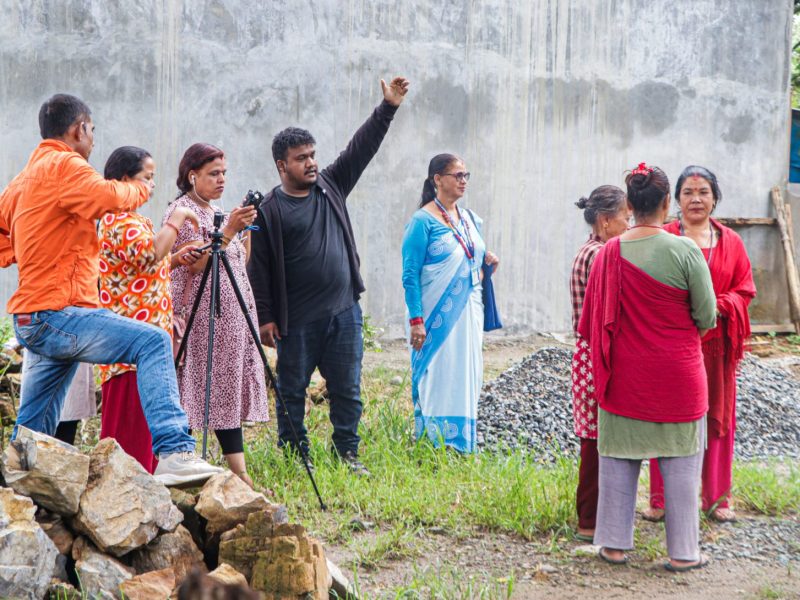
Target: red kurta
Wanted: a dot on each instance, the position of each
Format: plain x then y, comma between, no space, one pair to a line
723,346
646,358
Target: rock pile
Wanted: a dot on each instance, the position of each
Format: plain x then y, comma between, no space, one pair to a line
104,524
530,405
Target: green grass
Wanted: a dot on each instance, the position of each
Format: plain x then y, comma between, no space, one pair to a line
771,488
415,485
448,583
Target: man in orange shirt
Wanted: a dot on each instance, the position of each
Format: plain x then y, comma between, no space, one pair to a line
47,226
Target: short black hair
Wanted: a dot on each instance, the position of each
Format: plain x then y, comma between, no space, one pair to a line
125,161
291,137
59,112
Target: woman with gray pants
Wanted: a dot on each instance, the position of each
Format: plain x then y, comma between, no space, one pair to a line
648,302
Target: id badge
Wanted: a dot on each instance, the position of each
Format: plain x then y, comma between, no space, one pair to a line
476,278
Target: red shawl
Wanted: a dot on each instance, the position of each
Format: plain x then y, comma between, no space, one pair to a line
723,346
645,349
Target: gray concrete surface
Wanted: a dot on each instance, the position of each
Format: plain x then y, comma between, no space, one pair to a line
545,100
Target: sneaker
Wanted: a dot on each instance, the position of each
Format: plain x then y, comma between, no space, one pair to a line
356,467
180,468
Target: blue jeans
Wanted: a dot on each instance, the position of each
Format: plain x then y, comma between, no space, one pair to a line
335,346
57,340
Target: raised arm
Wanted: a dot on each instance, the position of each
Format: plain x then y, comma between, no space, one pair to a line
348,167
87,194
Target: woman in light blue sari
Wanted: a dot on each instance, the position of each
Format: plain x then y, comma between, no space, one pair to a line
443,252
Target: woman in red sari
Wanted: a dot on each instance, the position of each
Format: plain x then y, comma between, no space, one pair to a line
698,194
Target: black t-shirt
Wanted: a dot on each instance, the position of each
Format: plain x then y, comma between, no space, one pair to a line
318,279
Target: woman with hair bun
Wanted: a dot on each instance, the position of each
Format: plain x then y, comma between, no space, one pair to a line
443,255
648,302
606,211
697,194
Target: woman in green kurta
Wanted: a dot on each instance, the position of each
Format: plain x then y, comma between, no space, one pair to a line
650,298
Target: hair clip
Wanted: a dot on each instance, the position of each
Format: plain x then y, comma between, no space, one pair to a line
642,169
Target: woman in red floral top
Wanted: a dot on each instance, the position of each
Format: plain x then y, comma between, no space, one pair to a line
607,212
135,265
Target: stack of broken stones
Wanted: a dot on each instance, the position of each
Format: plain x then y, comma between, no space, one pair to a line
102,524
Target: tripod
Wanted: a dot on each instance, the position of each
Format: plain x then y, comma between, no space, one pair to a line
218,255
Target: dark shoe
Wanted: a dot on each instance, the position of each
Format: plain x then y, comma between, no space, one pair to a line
356,467
613,561
687,567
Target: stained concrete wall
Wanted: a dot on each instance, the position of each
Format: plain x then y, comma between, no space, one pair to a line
544,99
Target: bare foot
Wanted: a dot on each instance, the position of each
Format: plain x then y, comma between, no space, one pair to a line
724,515
654,515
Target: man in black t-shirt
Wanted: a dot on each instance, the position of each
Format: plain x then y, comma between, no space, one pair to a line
304,271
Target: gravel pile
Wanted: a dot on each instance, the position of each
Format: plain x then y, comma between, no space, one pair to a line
530,404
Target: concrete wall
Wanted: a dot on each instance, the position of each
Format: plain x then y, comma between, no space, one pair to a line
545,99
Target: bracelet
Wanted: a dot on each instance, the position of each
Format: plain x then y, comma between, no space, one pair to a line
177,231
227,240
416,321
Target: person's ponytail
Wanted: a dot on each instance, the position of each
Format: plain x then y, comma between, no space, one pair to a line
437,166
428,192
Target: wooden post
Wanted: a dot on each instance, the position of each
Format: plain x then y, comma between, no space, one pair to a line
792,277
790,227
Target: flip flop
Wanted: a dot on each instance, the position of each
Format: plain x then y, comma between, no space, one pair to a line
584,537
714,516
647,516
684,568
612,561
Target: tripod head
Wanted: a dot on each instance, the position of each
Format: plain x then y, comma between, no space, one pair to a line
216,235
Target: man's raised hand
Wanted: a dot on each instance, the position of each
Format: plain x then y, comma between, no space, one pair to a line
395,91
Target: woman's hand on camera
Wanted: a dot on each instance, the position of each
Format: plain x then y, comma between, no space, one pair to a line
239,218
418,334
187,255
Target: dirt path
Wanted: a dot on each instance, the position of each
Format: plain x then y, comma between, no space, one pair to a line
549,568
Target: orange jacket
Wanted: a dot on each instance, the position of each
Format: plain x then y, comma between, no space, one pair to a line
47,226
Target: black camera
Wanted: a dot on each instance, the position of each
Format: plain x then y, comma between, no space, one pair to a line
253,198
219,217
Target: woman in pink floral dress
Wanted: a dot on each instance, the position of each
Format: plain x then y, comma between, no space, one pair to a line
607,212
238,389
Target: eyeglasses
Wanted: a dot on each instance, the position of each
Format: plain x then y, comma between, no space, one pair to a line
460,176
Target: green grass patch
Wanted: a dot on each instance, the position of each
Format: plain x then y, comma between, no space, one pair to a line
414,485
771,488
448,583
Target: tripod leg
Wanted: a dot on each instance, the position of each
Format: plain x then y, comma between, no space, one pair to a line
270,374
195,306
210,355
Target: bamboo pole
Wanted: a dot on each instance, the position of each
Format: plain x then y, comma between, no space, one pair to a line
787,208
792,277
